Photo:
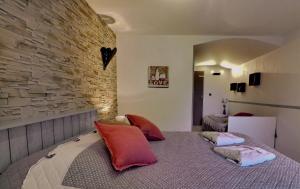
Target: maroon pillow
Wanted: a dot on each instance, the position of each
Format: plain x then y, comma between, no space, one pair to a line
243,114
127,146
150,130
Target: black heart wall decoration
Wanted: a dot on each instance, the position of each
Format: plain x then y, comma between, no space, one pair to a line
107,55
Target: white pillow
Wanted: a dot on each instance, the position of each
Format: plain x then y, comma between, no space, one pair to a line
122,118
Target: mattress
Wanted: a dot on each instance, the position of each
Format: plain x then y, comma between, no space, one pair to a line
185,160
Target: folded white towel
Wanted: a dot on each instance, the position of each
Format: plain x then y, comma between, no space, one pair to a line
221,138
220,115
245,155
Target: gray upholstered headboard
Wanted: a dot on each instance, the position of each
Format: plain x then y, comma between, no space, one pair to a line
22,138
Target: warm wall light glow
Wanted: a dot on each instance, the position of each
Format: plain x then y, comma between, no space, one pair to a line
206,63
228,65
237,71
120,25
105,109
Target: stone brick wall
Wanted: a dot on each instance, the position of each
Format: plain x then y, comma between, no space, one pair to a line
50,60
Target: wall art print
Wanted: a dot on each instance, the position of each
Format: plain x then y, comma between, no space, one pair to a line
158,77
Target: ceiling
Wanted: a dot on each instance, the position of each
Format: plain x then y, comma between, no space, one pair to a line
229,52
202,17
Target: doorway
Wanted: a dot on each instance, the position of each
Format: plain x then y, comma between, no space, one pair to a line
198,98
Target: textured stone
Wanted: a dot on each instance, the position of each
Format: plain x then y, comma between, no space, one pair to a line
38,90
11,91
50,59
16,102
3,95
3,102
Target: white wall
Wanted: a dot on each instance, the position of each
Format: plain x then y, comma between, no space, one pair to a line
279,85
171,108
218,86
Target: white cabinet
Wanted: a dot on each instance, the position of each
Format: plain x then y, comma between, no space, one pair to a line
261,129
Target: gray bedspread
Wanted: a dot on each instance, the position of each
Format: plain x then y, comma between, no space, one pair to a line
185,160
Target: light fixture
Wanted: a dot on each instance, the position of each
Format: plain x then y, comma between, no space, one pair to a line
107,19
227,64
216,72
206,63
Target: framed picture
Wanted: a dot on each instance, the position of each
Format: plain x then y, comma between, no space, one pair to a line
158,77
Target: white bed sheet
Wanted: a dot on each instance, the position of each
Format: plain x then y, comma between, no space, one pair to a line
49,173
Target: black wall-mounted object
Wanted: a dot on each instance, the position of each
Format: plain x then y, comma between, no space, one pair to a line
233,86
254,79
107,55
241,87
216,73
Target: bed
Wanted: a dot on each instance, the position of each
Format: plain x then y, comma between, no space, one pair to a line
215,123
185,160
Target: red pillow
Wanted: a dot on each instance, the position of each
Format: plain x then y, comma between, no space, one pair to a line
243,114
150,130
127,146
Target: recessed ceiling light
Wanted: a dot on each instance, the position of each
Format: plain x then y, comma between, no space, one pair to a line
206,63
